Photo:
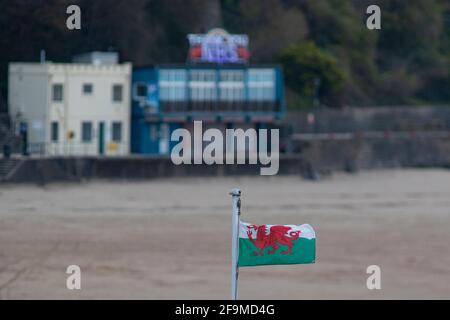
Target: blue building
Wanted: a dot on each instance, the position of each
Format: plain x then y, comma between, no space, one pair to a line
222,95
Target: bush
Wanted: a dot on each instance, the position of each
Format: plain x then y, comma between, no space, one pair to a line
304,64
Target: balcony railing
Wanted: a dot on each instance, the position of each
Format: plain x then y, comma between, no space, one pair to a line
70,149
219,106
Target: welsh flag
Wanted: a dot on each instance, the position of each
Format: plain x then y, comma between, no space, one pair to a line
270,244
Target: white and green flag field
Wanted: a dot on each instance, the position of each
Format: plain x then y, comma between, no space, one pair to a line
272,244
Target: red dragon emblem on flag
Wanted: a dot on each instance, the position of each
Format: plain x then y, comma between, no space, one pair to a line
277,235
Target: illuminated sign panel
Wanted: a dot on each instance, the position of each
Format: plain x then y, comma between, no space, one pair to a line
218,46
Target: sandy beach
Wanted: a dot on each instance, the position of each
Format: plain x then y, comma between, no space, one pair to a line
170,239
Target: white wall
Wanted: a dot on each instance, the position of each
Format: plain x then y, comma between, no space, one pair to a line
28,94
76,107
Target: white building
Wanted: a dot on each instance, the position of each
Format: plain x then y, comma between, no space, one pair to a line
73,109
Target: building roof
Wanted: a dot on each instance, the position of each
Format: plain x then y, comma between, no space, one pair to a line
35,67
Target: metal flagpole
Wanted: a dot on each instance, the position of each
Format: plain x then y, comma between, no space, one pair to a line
236,212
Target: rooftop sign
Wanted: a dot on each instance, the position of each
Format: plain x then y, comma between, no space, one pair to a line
218,46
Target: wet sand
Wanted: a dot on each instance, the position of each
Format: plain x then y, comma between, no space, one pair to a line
170,239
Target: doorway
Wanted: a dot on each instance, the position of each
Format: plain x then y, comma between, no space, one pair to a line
101,138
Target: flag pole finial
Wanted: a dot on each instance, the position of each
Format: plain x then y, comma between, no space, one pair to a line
236,192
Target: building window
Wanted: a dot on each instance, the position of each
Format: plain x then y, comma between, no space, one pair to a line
172,85
203,75
232,93
261,85
86,131
231,76
55,131
203,92
232,85
203,85
88,89
140,90
172,92
117,93
116,131
58,92
174,75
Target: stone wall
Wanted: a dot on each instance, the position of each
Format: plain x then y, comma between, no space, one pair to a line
371,119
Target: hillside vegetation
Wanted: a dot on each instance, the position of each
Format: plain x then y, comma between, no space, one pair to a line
406,62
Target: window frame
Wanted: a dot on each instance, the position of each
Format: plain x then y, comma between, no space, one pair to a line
89,93
202,85
232,85
136,90
261,85
54,98
114,87
172,85
113,126
54,131
83,136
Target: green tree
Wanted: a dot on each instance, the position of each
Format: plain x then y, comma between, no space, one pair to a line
304,63
339,27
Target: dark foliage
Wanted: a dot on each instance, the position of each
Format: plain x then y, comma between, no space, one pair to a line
405,62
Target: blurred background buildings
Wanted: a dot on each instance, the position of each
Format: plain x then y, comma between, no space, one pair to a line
306,67
80,108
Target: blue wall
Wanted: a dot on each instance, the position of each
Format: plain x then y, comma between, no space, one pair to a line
149,120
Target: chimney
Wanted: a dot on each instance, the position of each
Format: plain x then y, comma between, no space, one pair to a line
43,56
